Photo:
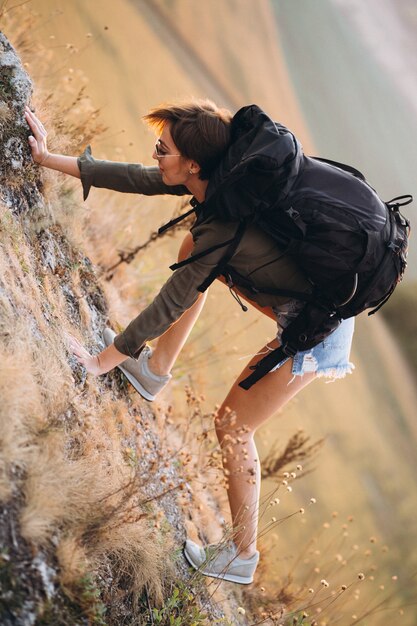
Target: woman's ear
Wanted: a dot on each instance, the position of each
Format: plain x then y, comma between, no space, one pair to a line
194,167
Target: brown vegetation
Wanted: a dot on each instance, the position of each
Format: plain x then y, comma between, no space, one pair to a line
63,436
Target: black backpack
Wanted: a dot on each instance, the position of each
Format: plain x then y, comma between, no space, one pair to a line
350,244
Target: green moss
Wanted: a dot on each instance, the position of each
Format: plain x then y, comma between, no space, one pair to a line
90,600
179,609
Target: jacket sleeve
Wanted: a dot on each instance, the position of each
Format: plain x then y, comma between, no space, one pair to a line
177,295
124,177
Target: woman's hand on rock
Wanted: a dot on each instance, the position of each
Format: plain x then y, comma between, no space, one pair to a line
37,141
90,362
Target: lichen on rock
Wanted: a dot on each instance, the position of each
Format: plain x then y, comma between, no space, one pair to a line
20,186
18,86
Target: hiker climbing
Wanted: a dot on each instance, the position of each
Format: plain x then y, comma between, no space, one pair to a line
306,242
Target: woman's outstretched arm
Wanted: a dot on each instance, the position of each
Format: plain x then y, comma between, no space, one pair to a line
122,177
40,153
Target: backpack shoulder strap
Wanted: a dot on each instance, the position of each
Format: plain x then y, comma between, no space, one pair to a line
171,223
200,255
233,243
220,267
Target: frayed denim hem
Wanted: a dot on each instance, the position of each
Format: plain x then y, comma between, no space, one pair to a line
334,373
329,359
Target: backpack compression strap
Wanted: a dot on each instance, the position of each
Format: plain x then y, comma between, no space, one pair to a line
267,364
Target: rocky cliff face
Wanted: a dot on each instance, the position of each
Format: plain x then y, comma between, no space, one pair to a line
30,259
20,186
91,520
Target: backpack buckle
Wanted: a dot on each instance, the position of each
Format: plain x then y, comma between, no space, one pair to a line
294,215
289,350
393,246
194,202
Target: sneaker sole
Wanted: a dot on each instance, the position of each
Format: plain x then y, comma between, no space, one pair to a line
229,577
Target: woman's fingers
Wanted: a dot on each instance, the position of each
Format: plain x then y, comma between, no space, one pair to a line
76,347
37,142
35,124
91,363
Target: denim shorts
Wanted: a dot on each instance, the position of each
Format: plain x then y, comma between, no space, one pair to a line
330,358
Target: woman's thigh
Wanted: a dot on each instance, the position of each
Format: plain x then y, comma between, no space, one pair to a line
250,408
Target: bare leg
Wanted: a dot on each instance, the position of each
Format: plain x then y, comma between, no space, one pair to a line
170,344
240,415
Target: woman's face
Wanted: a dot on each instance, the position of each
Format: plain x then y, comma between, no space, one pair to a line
175,169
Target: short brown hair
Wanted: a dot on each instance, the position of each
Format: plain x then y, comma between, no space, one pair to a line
199,128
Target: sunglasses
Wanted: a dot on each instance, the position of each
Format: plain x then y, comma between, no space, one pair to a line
159,151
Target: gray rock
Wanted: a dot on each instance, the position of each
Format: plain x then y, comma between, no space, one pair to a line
16,164
19,82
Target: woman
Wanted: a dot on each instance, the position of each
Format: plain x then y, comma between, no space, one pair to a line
193,137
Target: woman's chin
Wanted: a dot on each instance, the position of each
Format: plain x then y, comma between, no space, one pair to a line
165,179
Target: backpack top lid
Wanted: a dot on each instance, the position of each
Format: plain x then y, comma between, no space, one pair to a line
266,150
264,166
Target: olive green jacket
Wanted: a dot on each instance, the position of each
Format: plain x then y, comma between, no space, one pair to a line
257,257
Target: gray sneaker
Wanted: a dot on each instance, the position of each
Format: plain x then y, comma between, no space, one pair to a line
137,370
221,561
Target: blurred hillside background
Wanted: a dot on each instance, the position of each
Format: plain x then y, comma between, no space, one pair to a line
342,75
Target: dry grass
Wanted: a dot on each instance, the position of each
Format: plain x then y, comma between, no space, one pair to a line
65,440
67,444
330,580
62,438
297,449
89,479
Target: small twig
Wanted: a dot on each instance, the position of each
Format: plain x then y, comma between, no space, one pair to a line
15,6
298,448
160,495
127,257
